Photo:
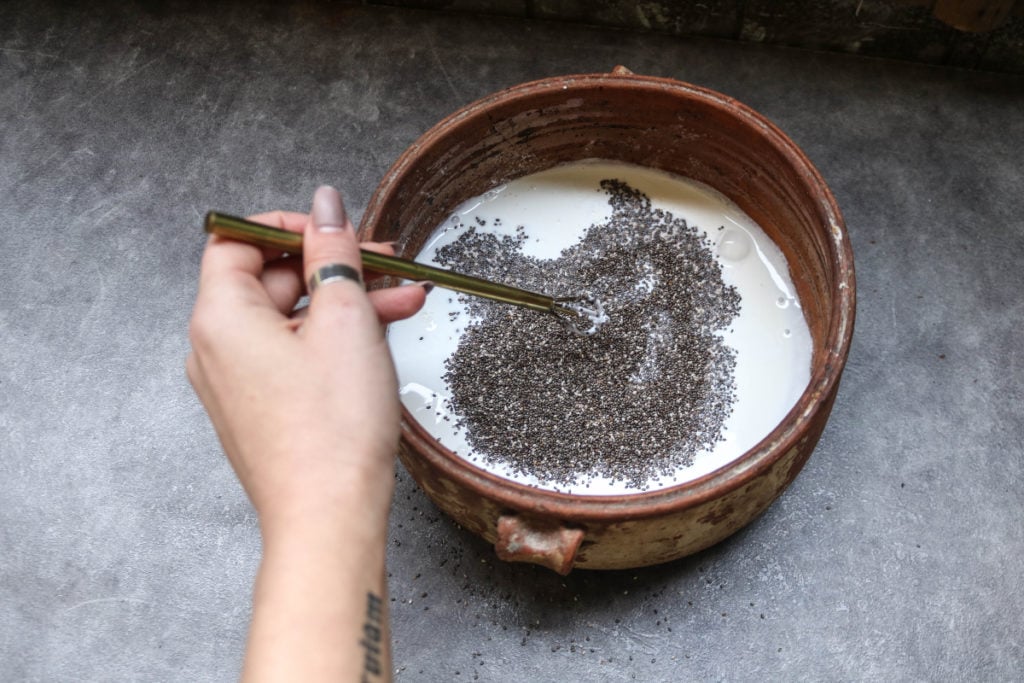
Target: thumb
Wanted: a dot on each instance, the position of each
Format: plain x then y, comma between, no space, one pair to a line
333,265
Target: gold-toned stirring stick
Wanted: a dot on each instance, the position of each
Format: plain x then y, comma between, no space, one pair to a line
572,310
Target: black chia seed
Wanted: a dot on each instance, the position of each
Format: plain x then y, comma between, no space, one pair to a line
634,402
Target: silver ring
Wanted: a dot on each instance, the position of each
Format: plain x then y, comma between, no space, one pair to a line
333,272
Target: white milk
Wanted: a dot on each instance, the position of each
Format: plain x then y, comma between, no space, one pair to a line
770,336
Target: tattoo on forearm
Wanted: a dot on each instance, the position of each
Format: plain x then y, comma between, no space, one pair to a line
373,635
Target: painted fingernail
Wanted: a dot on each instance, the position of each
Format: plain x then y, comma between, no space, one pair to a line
328,210
427,286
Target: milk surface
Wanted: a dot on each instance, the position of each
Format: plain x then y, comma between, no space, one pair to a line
770,336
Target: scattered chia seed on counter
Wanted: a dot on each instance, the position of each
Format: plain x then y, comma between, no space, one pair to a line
635,401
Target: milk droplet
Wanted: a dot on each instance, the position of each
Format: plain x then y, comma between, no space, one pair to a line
492,193
735,245
782,302
787,333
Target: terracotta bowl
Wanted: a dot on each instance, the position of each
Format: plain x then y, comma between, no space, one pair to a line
662,124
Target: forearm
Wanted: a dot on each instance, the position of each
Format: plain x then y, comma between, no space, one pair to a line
320,602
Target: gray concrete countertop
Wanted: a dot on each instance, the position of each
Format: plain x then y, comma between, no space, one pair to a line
127,548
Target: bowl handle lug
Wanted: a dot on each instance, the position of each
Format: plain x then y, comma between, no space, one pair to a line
540,541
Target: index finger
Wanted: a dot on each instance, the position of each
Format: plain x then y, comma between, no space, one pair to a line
232,259
292,221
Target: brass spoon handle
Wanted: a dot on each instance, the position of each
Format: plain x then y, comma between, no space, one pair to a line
243,230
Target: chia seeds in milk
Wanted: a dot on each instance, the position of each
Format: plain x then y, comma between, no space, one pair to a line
633,402
632,406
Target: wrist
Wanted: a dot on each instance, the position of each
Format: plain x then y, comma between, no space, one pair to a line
326,506
338,519
310,603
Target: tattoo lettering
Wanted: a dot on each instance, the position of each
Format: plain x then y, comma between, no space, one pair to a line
373,634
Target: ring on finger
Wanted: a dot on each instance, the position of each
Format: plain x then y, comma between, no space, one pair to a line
333,272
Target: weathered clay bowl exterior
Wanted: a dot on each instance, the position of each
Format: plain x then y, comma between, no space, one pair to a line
663,124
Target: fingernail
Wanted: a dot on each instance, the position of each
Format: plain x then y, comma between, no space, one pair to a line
427,286
328,210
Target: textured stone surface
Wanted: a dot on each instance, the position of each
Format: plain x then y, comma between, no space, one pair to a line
894,29
126,546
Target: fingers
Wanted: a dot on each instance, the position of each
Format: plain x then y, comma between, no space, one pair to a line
282,278
283,281
399,303
333,261
386,248
229,256
228,260
329,240
333,266
292,221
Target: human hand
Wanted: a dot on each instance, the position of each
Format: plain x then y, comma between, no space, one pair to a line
307,410
306,407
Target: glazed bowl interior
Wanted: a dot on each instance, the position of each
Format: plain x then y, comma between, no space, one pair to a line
657,123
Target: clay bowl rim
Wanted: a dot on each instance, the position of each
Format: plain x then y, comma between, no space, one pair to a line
825,375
